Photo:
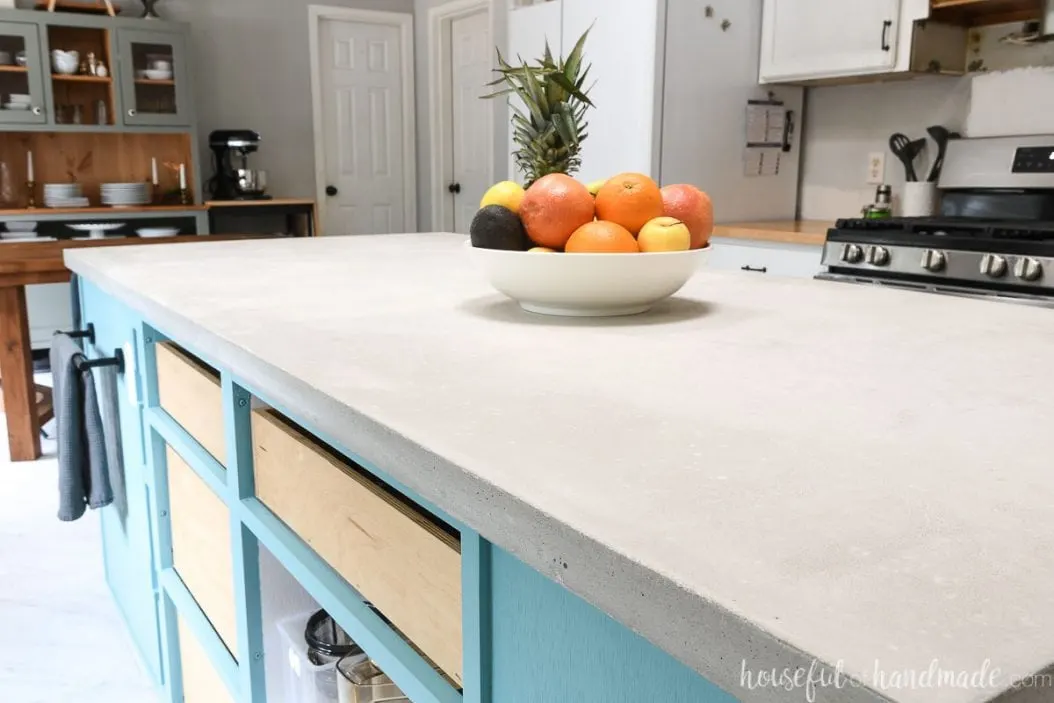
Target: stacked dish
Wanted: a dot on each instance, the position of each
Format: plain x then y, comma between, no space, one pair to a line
125,194
19,230
64,195
18,101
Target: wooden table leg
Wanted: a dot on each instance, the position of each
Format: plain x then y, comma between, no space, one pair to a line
16,369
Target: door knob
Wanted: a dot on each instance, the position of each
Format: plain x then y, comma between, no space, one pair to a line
331,191
132,112
38,111
454,188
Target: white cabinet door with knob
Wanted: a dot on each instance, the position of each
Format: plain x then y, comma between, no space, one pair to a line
811,39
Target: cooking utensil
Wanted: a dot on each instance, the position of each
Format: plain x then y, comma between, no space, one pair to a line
915,148
900,145
941,136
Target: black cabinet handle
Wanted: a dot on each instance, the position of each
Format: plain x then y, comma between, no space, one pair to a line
454,188
886,26
763,269
331,191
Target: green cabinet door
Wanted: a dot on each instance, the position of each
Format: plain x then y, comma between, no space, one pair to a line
155,84
22,68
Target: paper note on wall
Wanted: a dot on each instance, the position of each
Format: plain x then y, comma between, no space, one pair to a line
759,163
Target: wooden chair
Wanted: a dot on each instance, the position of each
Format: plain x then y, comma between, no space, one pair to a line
99,5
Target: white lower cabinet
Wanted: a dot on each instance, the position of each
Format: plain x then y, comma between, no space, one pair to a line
765,258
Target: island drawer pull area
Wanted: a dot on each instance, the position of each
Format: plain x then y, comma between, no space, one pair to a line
399,558
201,546
189,391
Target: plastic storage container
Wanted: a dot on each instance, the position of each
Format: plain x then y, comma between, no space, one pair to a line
359,680
309,674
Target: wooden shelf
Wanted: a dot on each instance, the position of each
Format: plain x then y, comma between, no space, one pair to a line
977,13
147,81
111,211
80,79
13,69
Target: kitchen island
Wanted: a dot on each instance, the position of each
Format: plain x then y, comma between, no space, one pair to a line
762,474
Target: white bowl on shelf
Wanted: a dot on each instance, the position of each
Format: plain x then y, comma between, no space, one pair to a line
20,98
152,232
153,74
65,63
21,226
16,106
5,58
588,285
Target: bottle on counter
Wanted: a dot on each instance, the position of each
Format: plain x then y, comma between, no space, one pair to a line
882,208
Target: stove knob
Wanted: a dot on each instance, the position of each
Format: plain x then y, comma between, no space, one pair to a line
1028,269
877,256
852,254
933,260
993,265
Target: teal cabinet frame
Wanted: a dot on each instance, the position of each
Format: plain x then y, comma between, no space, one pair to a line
134,114
526,639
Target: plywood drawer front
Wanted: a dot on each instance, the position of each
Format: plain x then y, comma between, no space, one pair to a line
393,554
201,681
201,546
190,392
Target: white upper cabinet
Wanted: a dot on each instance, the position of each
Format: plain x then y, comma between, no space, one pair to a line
812,39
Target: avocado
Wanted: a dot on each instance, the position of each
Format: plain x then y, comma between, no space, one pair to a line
497,227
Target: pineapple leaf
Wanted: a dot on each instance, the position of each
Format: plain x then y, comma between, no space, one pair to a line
574,60
562,127
562,81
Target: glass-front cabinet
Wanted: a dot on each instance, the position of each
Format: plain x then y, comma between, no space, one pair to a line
22,98
153,78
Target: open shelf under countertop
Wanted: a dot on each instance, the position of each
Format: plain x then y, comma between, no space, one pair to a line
114,211
812,232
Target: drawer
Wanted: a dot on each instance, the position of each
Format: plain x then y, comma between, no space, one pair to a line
201,681
777,259
201,546
189,391
396,556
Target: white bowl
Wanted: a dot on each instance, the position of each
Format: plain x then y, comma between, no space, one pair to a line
21,226
588,285
20,98
150,232
158,75
16,106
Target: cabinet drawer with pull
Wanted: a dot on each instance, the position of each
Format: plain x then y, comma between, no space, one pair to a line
401,559
764,258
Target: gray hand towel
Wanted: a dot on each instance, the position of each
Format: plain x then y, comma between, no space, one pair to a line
83,473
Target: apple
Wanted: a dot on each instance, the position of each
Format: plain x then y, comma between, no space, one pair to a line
664,234
692,207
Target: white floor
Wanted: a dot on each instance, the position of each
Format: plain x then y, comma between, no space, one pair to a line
61,637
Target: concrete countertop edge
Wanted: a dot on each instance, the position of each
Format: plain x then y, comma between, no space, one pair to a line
647,602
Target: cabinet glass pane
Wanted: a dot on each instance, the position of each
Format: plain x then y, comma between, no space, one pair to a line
14,74
155,78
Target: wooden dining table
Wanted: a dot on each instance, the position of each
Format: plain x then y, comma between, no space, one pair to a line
32,263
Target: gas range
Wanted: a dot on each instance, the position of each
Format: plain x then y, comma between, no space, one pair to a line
994,238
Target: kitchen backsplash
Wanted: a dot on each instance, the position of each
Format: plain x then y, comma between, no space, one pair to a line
844,124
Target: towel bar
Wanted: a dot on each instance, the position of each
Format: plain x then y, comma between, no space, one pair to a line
87,333
116,360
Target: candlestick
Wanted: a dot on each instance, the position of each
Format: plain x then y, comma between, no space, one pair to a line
31,194
182,176
153,172
185,196
30,176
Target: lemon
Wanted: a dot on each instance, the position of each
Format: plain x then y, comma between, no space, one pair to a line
541,250
507,194
595,187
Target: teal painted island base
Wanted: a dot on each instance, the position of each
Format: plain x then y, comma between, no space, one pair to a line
203,491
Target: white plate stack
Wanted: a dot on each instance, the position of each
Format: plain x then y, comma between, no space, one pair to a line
125,194
64,195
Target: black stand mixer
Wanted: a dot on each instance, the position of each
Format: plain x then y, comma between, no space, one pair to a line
233,179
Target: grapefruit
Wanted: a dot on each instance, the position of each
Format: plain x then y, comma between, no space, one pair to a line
692,207
631,200
553,208
602,237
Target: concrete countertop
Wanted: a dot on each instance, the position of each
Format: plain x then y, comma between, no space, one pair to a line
762,472
812,232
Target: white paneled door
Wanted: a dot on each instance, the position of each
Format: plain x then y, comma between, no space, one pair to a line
473,119
365,114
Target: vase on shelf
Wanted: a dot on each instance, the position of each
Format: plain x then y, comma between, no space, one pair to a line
148,10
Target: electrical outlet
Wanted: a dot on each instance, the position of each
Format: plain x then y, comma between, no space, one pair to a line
876,168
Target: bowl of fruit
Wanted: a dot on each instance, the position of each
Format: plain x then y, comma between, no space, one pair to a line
616,247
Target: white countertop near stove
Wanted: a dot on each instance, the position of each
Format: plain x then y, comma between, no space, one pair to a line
770,468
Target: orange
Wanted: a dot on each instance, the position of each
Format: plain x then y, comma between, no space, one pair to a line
631,200
553,208
602,237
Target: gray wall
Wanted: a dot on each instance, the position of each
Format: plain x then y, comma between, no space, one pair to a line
425,188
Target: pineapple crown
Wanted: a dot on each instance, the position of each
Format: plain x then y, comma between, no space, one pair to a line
550,126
